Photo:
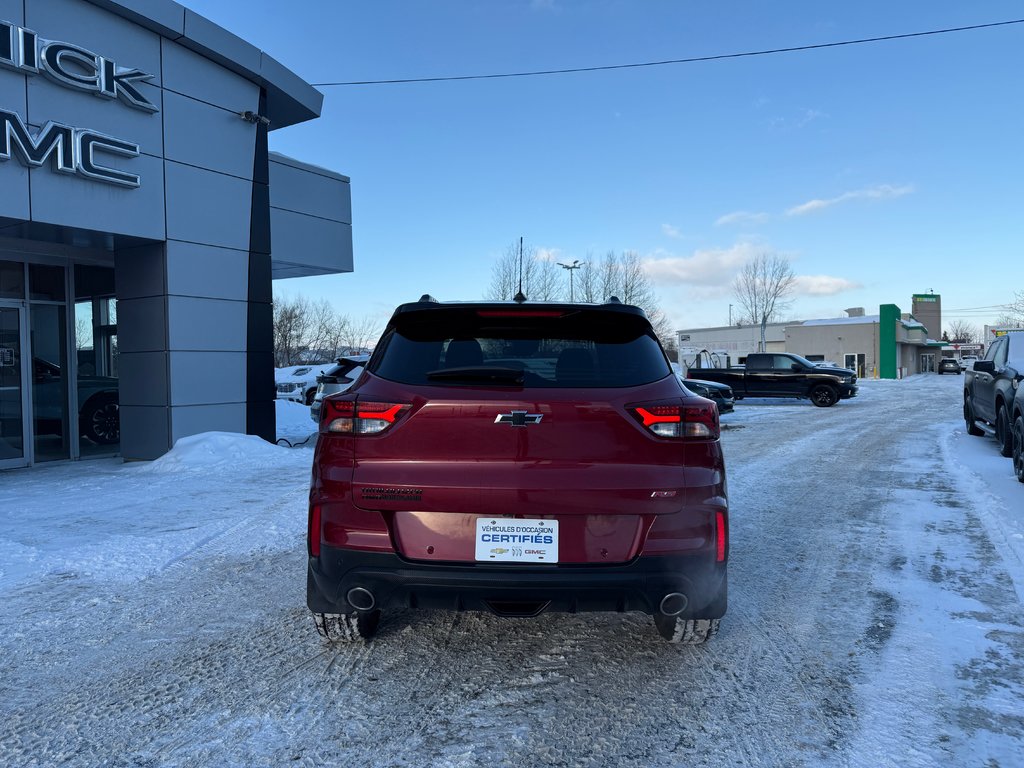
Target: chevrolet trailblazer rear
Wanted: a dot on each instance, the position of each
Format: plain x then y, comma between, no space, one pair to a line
518,458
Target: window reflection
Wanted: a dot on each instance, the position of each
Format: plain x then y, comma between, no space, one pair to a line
96,354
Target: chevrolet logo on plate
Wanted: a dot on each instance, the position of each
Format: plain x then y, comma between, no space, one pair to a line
518,418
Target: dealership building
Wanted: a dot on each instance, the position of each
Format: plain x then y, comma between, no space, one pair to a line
142,220
888,345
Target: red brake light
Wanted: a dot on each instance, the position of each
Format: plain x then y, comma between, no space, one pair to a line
520,313
349,417
721,536
689,422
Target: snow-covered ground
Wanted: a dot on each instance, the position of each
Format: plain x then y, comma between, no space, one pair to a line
153,615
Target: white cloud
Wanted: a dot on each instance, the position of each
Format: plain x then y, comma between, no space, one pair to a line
741,218
710,267
880,192
549,254
822,285
671,231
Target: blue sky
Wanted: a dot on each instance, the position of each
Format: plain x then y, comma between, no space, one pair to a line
881,170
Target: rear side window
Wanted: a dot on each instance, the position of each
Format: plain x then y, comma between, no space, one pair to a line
581,348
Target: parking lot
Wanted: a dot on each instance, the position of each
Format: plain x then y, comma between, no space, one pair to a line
154,614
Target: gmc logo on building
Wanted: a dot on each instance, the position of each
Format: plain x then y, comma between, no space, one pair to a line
73,150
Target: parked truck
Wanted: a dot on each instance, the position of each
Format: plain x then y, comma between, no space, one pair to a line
989,388
782,374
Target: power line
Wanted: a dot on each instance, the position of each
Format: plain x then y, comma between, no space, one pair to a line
692,60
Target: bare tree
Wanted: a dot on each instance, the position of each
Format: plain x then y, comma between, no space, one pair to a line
1013,317
586,281
505,273
361,334
961,332
291,328
762,289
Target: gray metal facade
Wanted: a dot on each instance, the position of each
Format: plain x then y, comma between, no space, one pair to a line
214,216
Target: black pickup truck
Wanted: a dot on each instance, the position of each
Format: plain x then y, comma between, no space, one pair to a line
781,374
989,388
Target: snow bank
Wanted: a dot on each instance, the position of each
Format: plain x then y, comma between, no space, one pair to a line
217,450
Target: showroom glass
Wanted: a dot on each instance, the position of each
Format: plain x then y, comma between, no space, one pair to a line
49,381
12,445
96,354
12,280
45,283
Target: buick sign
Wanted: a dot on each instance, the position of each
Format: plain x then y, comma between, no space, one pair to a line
71,150
71,66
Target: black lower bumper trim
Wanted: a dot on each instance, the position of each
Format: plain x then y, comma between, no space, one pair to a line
527,590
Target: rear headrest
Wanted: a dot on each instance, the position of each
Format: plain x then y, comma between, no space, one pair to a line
574,366
463,353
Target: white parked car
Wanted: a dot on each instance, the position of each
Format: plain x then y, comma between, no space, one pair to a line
298,382
337,379
967,362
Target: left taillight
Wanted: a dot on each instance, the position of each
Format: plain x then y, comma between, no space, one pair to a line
354,417
689,420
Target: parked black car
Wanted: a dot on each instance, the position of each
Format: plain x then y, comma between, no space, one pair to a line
712,390
948,365
1018,432
989,390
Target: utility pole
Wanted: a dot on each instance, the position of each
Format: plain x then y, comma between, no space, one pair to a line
575,265
730,315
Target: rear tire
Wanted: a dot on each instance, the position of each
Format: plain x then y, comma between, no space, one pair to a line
346,627
310,396
685,631
972,428
1018,448
1004,435
824,396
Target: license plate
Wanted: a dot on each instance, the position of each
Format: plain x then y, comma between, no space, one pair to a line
504,540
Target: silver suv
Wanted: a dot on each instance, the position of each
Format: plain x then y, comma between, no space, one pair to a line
337,379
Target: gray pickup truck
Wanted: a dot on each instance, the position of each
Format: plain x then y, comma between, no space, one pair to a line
989,388
782,374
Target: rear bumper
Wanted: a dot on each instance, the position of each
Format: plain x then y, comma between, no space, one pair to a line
396,582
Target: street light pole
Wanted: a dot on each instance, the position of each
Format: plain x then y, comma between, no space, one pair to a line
575,265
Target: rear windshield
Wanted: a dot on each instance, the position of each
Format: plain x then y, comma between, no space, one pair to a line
583,348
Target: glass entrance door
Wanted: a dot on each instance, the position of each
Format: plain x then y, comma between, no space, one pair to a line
13,388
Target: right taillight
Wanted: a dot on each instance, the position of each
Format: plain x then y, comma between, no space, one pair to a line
689,420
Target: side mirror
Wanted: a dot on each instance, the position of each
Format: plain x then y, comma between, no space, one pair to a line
985,366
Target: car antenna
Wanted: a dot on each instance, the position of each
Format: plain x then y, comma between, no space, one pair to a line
519,298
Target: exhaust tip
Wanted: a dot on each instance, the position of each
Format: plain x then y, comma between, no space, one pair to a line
673,603
361,599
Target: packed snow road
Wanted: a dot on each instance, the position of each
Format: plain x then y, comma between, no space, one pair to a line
154,616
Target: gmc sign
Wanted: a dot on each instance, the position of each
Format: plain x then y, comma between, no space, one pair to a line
73,150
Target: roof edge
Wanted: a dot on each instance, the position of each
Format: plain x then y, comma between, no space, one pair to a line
290,99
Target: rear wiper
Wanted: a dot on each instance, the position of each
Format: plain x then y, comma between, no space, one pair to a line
479,373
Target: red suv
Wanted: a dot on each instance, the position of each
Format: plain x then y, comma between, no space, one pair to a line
518,458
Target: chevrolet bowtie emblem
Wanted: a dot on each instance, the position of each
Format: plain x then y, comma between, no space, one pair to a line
518,418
